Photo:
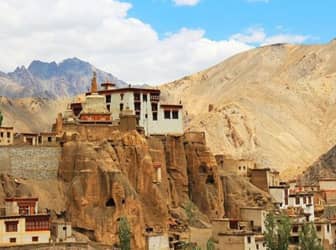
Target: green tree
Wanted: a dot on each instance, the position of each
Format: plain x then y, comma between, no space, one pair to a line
277,232
190,211
1,118
211,244
308,238
124,234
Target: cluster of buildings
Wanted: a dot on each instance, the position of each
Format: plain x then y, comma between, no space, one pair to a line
301,203
124,109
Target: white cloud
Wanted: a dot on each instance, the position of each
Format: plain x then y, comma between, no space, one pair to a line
258,36
101,32
186,2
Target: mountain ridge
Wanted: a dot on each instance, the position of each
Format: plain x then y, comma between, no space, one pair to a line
53,80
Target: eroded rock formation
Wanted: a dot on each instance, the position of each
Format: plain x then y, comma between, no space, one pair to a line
119,177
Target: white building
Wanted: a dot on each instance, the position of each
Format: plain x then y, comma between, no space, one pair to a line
154,116
294,199
22,224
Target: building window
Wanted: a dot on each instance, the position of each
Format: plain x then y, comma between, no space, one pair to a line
40,139
286,196
175,114
257,246
310,200
154,106
35,239
136,97
108,98
295,229
318,228
144,97
328,228
37,224
121,96
167,114
297,200
49,139
12,240
249,239
8,134
121,106
146,116
304,199
11,226
137,106
155,116
108,107
1,134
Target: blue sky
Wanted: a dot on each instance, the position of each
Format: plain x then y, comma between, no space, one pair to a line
155,41
222,18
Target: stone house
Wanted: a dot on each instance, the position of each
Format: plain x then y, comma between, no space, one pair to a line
6,136
264,178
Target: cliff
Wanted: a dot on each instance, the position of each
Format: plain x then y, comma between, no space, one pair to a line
118,177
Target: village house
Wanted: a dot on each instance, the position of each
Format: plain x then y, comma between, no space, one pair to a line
229,166
36,139
61,231
236,235
6,136
256,216
264,178
21,223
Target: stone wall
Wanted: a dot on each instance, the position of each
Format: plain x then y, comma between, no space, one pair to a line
31,162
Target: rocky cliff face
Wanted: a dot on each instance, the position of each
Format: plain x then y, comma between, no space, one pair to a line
324,167
118,177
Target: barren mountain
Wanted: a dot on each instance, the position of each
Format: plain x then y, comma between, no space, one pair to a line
274,103
51,80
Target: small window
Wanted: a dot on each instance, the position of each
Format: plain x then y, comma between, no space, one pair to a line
11,226
249,239
8,134
328,228
136,97
108,107
137,106
108,98
257,246
297,200
167,114
144,97
239,167
121,106
318,228
175,114
154,106
12,240
1,134
146,116
49,139
155,116
295,229
35,239
121,96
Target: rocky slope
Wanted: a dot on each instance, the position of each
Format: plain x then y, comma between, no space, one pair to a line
274,103
51,80
323,167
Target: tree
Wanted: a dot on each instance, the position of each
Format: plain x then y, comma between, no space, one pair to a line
277,232
211,244
124,234
1,118
308,238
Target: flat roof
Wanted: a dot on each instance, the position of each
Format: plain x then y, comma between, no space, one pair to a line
6,127
21,199
128,89
176,106
253,208
327,179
